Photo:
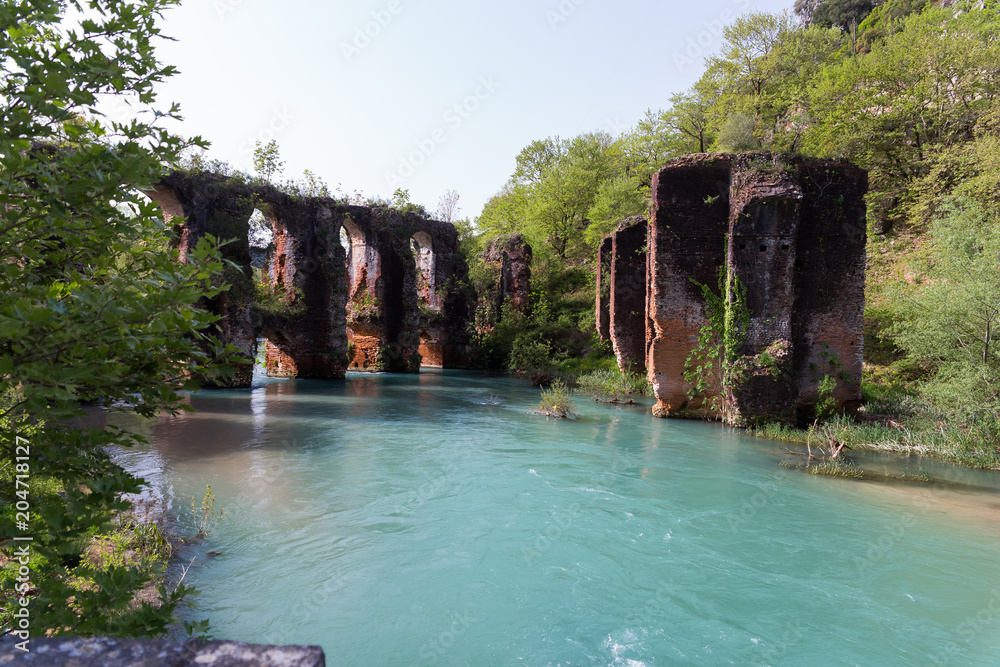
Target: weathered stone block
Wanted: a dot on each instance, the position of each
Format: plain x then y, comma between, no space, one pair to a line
510,259
106,652
627,306
784,239
687,241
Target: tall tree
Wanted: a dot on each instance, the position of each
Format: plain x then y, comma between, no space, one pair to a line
915,94
97,309
742,80
842,14
267,160
952,321
554,185
448,207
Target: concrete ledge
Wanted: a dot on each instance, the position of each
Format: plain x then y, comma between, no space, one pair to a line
102,652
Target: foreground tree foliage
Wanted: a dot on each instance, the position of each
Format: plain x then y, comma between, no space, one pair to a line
96,309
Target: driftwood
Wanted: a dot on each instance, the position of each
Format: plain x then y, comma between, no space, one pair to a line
835,446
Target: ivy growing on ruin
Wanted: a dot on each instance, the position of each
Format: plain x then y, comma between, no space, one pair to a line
712,368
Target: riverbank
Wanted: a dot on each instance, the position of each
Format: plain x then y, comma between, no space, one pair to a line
134,551
894,419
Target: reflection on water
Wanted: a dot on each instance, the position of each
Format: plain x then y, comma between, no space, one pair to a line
399,520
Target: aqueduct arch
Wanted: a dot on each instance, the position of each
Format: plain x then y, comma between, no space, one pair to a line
324,308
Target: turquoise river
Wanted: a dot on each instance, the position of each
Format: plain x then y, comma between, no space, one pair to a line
407,520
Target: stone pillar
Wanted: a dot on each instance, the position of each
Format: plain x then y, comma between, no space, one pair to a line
306,331
789,236
765,209
510,259
383,312
830,290
444,299
628,294
687,240
602,307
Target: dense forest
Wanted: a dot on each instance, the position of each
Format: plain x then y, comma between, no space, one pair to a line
97,309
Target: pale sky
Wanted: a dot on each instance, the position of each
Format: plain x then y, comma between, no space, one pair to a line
427,95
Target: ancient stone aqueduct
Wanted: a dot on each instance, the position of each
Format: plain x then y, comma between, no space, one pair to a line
787,234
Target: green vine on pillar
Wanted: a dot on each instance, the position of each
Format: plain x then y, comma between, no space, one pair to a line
711,368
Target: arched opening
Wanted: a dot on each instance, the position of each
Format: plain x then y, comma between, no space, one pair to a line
260,238
364,336
422,248
345,243
432,333
277,358
268,263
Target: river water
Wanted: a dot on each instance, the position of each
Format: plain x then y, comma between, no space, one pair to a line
399,520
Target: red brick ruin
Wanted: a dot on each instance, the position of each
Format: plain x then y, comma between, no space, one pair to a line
783,238
392,300
508,258
778,240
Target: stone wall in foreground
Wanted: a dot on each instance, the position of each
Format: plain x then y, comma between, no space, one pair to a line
104,652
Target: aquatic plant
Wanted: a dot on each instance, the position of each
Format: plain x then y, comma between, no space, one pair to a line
557,402
835,468
205,515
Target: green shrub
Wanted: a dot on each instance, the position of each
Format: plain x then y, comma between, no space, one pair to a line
557,402
530,354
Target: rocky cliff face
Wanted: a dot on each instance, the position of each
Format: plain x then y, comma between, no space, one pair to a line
781,241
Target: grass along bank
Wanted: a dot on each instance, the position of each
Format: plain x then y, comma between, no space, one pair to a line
896,419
